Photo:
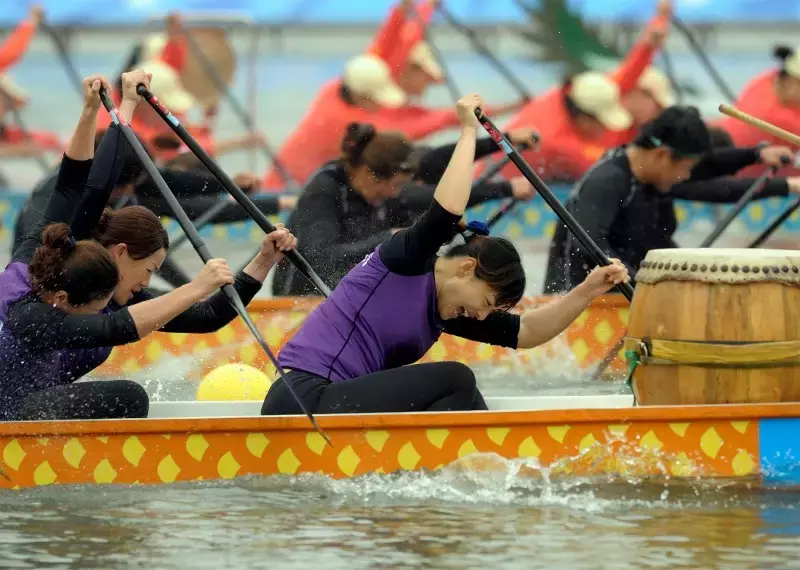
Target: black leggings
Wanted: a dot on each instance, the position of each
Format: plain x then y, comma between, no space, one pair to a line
429,387
112,399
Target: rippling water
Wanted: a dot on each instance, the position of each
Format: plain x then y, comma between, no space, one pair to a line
451,519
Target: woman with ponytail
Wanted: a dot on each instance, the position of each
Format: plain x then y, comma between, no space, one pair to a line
773,96
379,184
351,354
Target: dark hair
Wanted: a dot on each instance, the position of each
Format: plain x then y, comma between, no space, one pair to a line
498,264
386,154
136,227
720,137
132,169
84,269
679,128
782,53
186,161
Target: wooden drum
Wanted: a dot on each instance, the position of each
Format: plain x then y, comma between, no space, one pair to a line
716,326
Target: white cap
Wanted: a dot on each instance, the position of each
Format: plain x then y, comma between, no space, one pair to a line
153,46
10,88
368,76
658,85
792,64
422,55
166,85
596,95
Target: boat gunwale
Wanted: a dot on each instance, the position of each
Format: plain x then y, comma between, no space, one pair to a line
500,418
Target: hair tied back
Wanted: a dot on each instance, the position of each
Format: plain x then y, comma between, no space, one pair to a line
475,228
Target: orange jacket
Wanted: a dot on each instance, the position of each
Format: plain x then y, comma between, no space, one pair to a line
15,45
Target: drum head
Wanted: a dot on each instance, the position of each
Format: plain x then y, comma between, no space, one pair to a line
214,45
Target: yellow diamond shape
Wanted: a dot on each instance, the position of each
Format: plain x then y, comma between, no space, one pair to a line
348,461
580,350
44,474
711,442
168,470
73,452
681,465
196,446
532,216
498,434
549,229
650,442
623,314
256,443
315,442
227,466
741,427
743,464
104,472
178,339
679,428
437,353
408,457
130,366
377,439
558,433
437,437
225,335
132,450
467,448
579,322
484,352
248,354
528,448
288,464
153,351
603,332
586,442
618,429
756,212
13,454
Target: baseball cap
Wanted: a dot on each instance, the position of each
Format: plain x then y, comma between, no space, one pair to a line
791,64
153,46
658,85
166,85
422,55
595,94
368,76
13,90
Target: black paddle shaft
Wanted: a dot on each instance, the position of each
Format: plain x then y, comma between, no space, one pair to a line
198,243
547,195
740,205
238,194
765,235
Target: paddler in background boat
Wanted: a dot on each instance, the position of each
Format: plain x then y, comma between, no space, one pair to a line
625,201
350,354
368,92
773,96
593,111
14,142
379,185
164,56
66,300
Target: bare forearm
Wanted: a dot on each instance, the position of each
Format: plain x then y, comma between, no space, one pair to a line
81,144
151,315
259,268
545,323
126,109
452,192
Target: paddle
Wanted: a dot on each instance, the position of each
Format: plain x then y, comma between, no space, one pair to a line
237,107
741,204
547,195
760,124
199,245
481,48
704,59
776,224
238,194
66,61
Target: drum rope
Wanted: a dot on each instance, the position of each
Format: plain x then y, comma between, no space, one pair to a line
712,353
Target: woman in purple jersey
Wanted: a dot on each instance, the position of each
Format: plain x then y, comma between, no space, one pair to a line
351,353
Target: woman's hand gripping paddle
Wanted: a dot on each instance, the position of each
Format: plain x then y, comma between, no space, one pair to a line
199,245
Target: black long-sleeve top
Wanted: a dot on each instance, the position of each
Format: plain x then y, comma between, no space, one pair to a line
626,218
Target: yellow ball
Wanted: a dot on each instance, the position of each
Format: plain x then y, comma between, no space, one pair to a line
234,382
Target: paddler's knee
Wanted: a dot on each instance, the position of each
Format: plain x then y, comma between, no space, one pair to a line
460,376
135,398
